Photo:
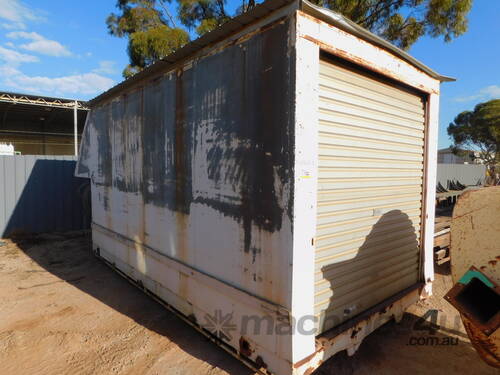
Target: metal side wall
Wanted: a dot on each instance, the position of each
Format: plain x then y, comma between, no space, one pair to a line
369,203
192,181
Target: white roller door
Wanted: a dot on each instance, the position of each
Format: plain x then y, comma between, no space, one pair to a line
371,146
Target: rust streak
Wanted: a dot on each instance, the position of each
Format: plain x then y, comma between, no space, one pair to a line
181,204
327,25
245,348
309,371
366,64
486,348
308,358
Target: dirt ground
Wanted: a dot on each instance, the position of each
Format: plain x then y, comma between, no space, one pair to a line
64,312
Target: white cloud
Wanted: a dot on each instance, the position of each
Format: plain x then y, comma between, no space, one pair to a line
40,44
470,98
488,92
492,91
77,84
13,55
14,58
7,70
13,25
17,14
105,67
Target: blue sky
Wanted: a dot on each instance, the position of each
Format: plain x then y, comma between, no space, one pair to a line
62,48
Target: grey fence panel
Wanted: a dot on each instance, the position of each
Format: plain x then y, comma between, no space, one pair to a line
40,194
466,174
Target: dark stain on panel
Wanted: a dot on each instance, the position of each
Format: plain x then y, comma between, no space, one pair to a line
252,139
103,132
84,158
183,149
232,114
130,153
119,140
153,145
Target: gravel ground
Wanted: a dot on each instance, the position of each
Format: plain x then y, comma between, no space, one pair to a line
64,312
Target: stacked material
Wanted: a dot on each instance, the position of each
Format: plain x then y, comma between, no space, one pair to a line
442,239
6,149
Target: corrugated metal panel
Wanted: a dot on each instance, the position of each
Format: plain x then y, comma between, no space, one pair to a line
40,194
466,174
371,145
260,11
178,164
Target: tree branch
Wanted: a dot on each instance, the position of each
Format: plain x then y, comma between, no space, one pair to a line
375,13
163,5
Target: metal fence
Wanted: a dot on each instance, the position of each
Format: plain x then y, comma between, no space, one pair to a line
40,194
466,174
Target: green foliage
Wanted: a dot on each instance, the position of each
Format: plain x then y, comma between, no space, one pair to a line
479,129
145,47
207,25
153,33
403,22
203,15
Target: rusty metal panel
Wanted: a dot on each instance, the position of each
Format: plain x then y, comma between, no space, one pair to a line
198,163
370,175
40,194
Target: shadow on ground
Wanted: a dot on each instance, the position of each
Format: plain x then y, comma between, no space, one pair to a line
443,269
413,346
72,261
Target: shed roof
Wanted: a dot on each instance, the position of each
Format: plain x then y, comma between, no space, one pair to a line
40,101
256,13
22,111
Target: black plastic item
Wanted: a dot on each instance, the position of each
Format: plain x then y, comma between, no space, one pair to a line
440,188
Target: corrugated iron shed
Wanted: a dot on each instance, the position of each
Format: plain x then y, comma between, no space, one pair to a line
281,166
251,16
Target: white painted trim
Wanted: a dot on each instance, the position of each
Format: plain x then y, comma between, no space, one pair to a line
430,190
305,191
362,53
